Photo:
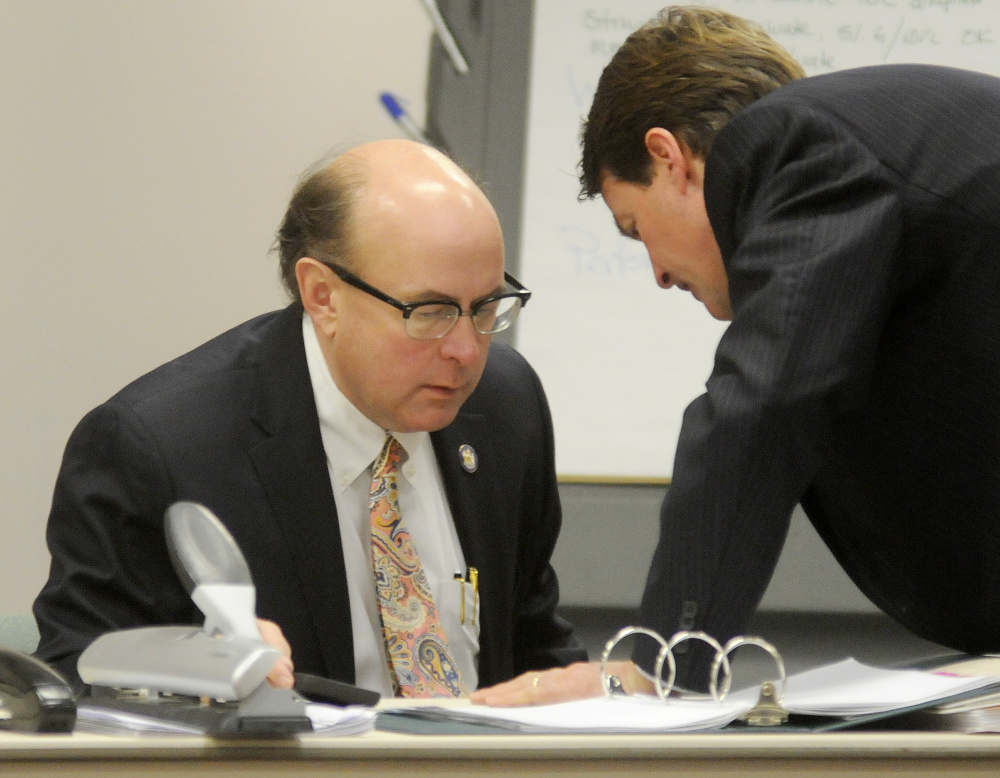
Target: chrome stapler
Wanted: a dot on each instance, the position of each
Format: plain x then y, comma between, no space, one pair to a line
186,671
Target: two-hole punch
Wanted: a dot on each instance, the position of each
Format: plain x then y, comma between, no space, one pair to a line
214,675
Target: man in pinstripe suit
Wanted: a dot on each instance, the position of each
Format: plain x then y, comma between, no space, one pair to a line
849,227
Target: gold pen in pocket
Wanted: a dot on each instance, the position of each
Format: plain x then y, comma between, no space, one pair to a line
461,596
473,581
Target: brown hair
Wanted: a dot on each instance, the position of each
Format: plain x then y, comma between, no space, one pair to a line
689,70
318,222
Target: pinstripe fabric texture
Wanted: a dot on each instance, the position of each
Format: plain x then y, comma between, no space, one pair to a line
858,214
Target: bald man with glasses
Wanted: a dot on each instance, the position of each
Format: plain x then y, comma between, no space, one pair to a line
374,455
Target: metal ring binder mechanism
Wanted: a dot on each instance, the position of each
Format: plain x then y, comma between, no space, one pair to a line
225,660
766,713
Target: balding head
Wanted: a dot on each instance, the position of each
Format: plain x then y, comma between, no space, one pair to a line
374,187
395,229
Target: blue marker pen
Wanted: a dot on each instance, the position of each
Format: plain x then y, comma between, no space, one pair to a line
402,118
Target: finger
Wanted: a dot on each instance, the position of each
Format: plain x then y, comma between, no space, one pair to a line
282,674
508,692
271,634
578,681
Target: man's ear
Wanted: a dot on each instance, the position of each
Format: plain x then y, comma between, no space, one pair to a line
669,155
316,290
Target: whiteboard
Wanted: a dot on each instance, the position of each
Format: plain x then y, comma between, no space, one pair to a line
619,357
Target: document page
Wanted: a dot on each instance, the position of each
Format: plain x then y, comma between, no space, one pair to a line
613,715
849,688
844,689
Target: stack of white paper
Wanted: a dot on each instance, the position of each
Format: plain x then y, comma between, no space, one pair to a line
326,720
845,689
849,688
334,720
602,715
109,721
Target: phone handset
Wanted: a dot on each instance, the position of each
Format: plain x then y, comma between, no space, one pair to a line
33,696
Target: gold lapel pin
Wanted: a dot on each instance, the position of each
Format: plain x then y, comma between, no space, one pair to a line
468,456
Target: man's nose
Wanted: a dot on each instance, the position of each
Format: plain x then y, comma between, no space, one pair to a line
462,343
663,279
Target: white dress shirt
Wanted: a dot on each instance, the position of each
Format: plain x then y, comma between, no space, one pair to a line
352,441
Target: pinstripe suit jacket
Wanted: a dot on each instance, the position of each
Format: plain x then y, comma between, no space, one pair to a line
858,214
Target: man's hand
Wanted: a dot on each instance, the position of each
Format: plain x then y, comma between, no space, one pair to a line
281,674
562,684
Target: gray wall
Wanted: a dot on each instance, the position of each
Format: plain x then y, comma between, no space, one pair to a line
608,537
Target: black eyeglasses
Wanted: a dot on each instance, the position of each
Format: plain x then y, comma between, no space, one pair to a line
435,318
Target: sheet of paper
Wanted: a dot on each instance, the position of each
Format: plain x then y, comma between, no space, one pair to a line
601,715
849,688
980,665
108,721
846,688
336,720
326,720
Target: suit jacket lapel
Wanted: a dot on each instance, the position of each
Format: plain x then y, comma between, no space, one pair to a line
292,467
474,501
468,492
291,464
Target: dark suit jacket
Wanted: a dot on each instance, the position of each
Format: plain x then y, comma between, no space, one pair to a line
233,425
858,215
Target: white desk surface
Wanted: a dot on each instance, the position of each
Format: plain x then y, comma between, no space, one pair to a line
376,753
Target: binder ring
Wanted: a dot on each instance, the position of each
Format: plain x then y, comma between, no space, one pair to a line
680,637
740,640
624,633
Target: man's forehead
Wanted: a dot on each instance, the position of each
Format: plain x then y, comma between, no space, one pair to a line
417,261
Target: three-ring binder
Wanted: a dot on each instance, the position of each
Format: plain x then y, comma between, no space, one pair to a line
767,712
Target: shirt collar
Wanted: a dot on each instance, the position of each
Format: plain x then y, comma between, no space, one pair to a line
351,439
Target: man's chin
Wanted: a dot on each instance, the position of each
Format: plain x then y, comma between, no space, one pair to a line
719,311
430,419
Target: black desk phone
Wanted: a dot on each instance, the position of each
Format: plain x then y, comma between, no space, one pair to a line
33,696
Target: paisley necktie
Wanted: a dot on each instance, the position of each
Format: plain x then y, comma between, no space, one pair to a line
419,662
